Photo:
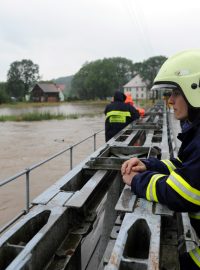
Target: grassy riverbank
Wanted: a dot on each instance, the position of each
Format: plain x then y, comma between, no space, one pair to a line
47,115
23,105
39,116
43,116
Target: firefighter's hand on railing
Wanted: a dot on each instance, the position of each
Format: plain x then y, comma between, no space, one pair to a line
127,178
133,165
130,168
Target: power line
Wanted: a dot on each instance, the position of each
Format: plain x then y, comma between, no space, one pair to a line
137,18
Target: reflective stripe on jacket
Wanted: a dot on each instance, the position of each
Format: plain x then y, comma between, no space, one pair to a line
184,189
118,116
195,255
194,215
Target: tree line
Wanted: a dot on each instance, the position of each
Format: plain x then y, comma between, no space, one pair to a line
95,80
99,79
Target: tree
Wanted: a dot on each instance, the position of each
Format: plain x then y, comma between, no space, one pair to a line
137,67
99,79
21,76
4,98
149,68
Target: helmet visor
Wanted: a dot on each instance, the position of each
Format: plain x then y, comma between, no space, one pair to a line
169,89
165,86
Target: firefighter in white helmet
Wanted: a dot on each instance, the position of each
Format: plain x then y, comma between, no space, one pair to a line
176,182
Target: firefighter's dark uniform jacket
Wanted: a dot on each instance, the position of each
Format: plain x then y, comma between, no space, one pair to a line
118,115
176,182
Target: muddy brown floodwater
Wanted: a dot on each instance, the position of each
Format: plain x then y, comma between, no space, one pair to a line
23,144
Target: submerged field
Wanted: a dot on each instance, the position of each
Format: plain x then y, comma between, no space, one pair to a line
25,111
48,111
43,116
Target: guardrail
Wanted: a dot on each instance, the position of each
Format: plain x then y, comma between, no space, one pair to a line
90,220
27,172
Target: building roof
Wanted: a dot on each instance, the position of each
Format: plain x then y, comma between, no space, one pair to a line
135,82
61,87
48,87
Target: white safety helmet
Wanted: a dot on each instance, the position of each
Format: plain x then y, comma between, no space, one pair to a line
182,71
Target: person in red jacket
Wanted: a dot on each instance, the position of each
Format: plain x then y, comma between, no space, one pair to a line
175,182
129,99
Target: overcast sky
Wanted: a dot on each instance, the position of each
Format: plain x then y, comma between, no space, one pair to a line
61,35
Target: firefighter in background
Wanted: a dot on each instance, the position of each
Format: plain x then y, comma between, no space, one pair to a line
176,182
118,115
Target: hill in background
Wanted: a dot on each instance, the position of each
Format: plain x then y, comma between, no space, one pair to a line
66,81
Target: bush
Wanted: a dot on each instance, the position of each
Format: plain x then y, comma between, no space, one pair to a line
4,98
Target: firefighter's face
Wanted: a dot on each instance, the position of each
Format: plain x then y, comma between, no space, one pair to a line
179,105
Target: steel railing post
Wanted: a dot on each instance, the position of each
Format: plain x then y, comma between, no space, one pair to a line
71,157
95,146
27,190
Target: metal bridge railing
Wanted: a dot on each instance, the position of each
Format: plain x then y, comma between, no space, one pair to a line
27,172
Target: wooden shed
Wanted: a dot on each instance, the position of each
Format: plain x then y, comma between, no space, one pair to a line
45,92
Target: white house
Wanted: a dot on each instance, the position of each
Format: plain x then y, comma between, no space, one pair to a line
137,87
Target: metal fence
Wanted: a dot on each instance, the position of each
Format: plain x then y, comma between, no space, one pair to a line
27,172
89,220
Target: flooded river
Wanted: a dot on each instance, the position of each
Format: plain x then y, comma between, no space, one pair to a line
24,144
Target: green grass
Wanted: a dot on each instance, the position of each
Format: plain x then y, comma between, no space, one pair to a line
22,105
36,116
